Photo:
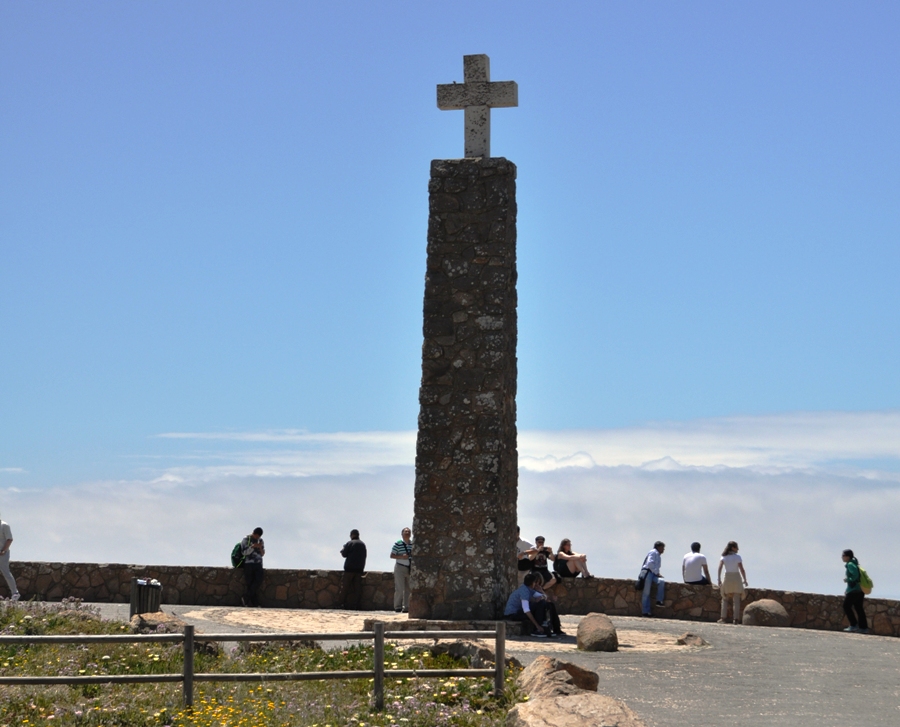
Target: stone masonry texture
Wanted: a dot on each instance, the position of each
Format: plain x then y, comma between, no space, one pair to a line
283,588
466,460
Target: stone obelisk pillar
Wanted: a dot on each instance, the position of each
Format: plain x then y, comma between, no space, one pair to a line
466,485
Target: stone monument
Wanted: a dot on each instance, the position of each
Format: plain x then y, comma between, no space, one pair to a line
464,528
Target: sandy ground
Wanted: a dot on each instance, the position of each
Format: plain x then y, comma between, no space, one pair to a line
320,621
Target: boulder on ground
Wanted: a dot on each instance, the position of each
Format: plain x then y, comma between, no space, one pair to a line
586,709
765,612
548,677
689,639
156,623
477,655
597,633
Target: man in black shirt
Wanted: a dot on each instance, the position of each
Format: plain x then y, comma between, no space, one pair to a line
354,552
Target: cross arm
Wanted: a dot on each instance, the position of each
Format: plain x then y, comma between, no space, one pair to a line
496,94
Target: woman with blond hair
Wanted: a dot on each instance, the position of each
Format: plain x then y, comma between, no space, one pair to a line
735,581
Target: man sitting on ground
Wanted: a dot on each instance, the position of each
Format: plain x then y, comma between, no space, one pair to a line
528,604
694,569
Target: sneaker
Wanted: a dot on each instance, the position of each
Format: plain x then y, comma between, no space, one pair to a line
397,610
539,635
660,603
405,610
720,621
561,633
852,629
15,597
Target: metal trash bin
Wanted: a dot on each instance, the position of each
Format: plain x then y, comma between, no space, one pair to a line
145,595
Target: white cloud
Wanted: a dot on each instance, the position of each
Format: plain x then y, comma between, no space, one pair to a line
13,470
793,490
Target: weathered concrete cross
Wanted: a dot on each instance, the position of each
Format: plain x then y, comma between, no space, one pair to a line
477,94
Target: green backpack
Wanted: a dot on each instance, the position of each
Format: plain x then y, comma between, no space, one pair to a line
237,556
865,583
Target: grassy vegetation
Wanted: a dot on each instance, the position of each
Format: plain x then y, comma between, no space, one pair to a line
466,701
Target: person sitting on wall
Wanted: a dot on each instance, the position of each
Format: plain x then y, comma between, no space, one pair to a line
525,554
544,554
529,605
568,563
694,569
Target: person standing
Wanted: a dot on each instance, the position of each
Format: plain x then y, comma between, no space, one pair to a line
694,569
354,552
253,549
652,564
400,554
854,598
735,581
6,540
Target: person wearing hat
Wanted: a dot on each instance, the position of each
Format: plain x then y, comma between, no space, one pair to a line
6,539
694,569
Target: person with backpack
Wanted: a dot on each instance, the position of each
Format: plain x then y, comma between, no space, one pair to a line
854,597
253,549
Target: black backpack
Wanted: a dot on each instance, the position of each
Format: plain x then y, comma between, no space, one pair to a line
237,556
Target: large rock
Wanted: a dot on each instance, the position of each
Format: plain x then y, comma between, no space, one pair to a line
597,633
765,612
586,709
549,677
156,623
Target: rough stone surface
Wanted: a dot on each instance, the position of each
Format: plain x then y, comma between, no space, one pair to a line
766,612
549,677
317,589
513,628
466,460
586,709
156,623
689,639
597,633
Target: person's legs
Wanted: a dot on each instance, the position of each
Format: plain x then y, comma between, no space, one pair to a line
346,581
400,573
660,590
356,591
253,572
555,625
406,591
7,574
856,601
724,615
646,608
848,610
736,608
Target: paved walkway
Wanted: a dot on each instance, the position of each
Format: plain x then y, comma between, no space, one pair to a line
748,676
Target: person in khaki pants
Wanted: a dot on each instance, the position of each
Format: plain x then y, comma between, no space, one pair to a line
400,555
6,539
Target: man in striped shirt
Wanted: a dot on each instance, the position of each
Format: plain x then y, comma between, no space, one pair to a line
400,555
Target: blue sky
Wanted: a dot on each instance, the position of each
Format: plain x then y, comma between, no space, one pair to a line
212,220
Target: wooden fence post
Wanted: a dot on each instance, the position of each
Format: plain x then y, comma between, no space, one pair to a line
500,659
188,684
378,628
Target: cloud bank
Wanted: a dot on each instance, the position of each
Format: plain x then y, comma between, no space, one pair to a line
793,490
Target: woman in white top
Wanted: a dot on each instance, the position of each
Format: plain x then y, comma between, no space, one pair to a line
735,581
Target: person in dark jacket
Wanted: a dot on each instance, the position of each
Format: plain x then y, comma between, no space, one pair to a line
354,552
854,597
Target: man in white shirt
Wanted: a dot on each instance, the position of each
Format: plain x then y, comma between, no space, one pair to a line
6,539
652,564
694,569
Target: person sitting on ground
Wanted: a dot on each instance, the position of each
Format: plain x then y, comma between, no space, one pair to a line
544,554
528,604
568,563
694,569
734,574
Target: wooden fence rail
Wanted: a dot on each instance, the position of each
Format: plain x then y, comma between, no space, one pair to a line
188,676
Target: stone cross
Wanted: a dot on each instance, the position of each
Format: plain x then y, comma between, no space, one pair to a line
477,95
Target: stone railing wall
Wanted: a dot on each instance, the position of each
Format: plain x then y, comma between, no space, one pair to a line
110,582
702,603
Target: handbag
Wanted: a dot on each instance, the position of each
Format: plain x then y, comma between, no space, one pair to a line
641,579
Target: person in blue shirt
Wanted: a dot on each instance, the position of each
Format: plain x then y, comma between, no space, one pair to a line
529,604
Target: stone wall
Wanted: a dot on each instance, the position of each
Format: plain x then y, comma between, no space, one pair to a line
111,583
466,460
701,603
